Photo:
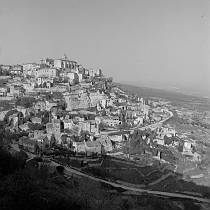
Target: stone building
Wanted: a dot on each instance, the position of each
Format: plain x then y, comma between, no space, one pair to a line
17,70
47,72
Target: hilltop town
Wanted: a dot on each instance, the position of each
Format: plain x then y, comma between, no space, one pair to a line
76,117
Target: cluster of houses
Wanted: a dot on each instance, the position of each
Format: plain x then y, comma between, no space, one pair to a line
73,127
52,74
168,137
71,130
75,107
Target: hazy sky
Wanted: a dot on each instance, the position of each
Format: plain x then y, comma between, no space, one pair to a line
153,42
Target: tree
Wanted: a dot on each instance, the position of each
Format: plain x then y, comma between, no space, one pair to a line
93,196
35,126
102,127
84,135
60,169
103,113
62,104
168,140
123,126
21,158
9,113
52,140
34,189
25,102
8,163
44,85
45,117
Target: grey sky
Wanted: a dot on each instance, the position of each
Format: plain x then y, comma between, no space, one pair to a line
153,42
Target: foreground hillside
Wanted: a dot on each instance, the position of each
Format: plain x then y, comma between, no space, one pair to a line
25,187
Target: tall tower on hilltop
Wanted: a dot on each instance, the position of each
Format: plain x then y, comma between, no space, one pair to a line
65,57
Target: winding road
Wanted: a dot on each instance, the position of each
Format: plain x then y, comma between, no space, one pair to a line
151,126
137,191
69,171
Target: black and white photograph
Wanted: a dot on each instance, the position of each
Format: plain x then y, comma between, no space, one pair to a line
104,105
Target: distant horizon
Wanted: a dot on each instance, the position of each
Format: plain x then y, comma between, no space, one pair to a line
183,91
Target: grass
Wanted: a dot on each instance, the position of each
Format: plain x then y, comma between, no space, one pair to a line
128,173
172,184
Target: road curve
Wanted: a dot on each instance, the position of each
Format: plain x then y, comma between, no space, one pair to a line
70,171
142,128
